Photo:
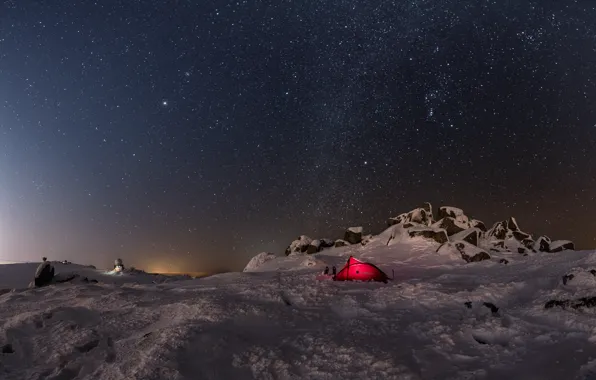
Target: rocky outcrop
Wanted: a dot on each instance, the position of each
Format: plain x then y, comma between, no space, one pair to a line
470,235
299,245
451,225
419,216
353,235
474,223
561,245
436,234
542,244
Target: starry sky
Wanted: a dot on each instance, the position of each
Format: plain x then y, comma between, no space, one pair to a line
185,135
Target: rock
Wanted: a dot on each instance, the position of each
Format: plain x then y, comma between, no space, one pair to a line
580,277
528,243
498,231
503,261
478,224
465,250
542,244
429,209
7,349
313,247
470,235
452,212
593,271
419,216
341,243
520,236
584,302
353,235
521,250
493,309
299,245
327,243
561,245
468,304
436,234
450,225
471,255
512,224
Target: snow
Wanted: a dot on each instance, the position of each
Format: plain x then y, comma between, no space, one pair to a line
355,230
434,321
259,260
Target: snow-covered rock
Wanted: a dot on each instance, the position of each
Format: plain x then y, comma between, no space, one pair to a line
561,245
439,235
353,235
468,252
418,216
313,247
471,235
580,277
299,245
451,225
474,223
453,212
259,260
542,244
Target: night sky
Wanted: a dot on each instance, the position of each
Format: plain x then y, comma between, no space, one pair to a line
192,135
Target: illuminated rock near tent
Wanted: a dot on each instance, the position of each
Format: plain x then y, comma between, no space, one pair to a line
299,245
437,234
422,216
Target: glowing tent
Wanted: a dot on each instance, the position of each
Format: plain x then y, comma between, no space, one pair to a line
360,271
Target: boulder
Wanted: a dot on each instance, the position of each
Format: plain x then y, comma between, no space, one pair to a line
353,235
528,243
504,261
520,236
451,225
452,212
313,247
341,243
327,243
437,234
478,224
470,235
498,231
561,245
542,244
258,260
419,216
299,245
507,229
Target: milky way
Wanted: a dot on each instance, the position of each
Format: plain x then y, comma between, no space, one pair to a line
201,133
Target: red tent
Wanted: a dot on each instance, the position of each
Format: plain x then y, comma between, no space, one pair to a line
360,271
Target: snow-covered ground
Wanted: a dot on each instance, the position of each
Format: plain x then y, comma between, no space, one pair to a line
279,322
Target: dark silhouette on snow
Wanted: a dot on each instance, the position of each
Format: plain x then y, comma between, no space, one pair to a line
44,274
334,270
326,270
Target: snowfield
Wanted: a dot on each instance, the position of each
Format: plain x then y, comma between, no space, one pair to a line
276,321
